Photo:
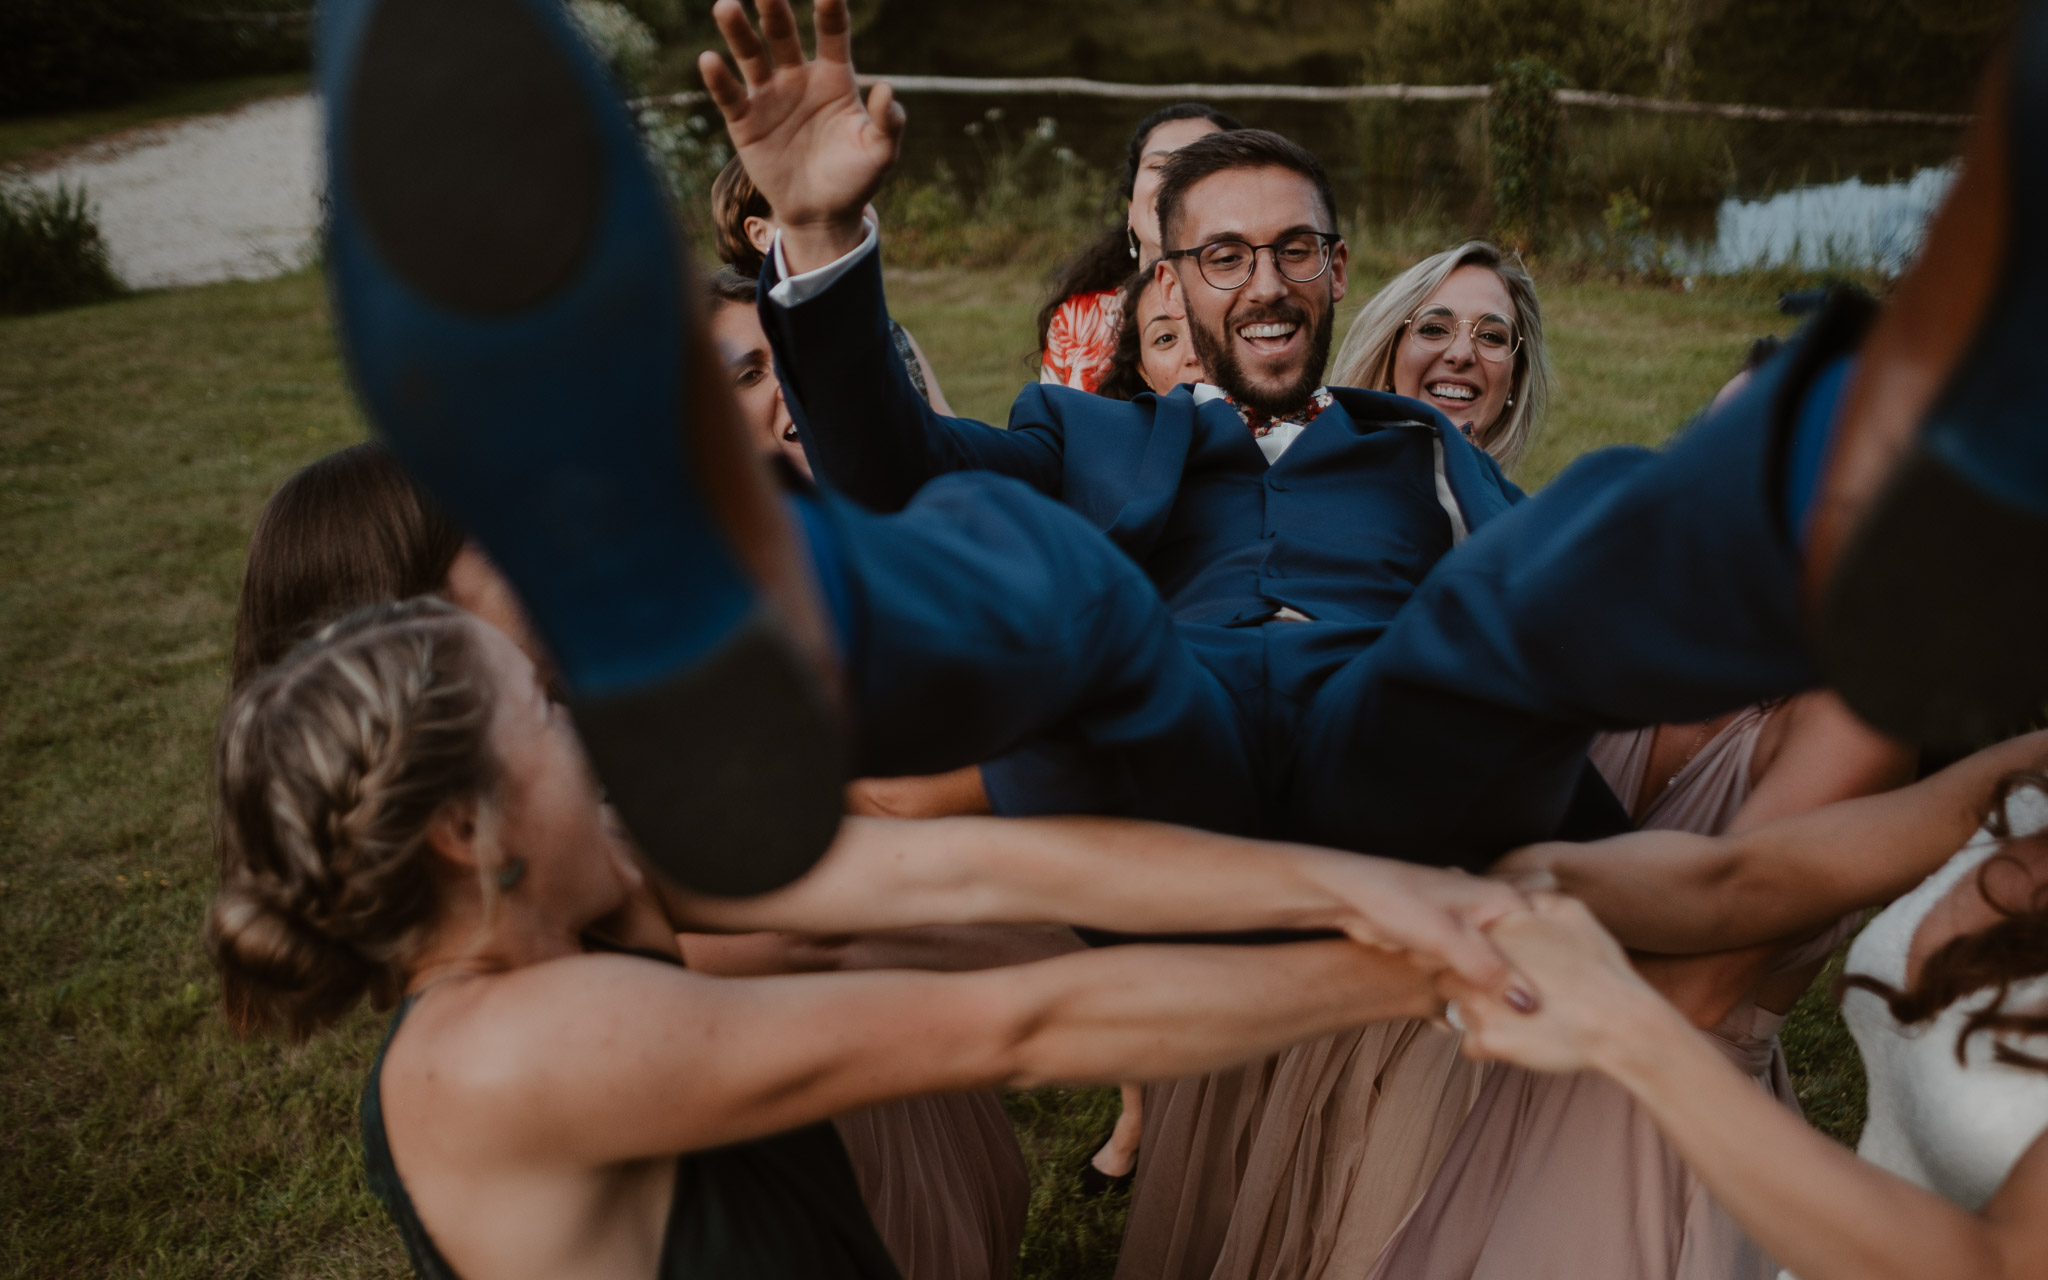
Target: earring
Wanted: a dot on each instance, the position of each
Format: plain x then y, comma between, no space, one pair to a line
511,873
1511,399
1131,235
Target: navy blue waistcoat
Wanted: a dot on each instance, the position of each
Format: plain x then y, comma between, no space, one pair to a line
1341,528
1244,539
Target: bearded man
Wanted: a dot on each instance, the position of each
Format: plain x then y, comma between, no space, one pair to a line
1283,523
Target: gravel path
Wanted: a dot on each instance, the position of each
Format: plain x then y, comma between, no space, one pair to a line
224,197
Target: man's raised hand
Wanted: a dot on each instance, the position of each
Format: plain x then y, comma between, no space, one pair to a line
816,154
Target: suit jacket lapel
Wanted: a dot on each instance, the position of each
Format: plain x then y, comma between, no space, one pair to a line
1139,522
1474,481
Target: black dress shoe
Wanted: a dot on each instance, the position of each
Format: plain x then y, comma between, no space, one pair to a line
515,308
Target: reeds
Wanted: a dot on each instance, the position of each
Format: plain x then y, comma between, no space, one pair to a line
51,251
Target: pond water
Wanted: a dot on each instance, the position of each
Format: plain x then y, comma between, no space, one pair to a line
1726,197
1848,224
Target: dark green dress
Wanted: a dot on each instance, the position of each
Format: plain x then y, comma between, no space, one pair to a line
784,1207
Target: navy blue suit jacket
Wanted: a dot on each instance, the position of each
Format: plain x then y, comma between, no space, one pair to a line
873,438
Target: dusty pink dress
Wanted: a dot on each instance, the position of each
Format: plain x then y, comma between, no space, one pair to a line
1562,1177
1297,1166
945,1182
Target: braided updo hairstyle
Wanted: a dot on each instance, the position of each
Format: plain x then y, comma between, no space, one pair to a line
329,768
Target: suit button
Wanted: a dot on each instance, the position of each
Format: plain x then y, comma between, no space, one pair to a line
1275,485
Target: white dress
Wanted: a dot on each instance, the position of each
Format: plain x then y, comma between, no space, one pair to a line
1954,1129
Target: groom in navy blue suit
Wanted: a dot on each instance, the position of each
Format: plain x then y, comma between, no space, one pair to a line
1332,619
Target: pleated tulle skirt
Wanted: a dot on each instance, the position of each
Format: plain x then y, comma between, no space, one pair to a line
1299,1166
944,1180
1564,1177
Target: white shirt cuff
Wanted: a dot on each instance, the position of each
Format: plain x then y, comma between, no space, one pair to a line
793,291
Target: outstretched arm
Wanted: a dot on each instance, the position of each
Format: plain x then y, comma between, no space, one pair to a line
1113,873
601,1059
1669,891
1813,752
1814,1206
818,155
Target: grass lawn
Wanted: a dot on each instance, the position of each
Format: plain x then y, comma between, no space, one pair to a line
137,440
26,139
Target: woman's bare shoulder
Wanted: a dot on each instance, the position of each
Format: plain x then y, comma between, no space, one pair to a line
477,1040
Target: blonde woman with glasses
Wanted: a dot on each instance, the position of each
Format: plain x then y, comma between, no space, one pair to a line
1462,332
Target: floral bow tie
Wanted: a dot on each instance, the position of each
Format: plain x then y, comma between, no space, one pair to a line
1260,423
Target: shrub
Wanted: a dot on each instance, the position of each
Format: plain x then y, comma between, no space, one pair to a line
1629,249
1522,118
1596,44
688,153
51,251
59,54
1036,202
621,40
62,53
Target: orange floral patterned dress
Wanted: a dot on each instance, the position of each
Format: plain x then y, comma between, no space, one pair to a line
1081,341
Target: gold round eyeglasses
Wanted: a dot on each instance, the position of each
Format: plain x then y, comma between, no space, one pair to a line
1433,328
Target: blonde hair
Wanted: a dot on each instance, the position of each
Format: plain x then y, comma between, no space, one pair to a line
328,769
1366,359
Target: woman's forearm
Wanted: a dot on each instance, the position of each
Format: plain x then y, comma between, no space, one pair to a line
1106,873
1812,1205
1655,891
1668,891
1153,1012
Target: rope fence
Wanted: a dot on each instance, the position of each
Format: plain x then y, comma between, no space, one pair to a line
1075,86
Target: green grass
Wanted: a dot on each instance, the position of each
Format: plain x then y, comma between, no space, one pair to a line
137,440
27,139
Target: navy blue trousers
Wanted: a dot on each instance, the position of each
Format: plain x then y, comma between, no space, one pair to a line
987,623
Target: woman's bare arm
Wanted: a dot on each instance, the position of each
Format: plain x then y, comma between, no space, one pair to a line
1669,891
600,1059
1118,874
1810,1203
1813,752
1816,752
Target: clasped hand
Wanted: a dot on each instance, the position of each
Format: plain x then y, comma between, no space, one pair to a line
1593,1001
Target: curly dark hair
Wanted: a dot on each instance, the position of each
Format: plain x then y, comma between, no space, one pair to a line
1126,377
1106,262
2011,950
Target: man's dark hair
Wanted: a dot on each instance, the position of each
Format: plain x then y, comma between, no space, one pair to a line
727,285
1222,152
734,199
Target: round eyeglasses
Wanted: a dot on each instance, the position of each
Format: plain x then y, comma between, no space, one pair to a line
1227,264
1493,336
